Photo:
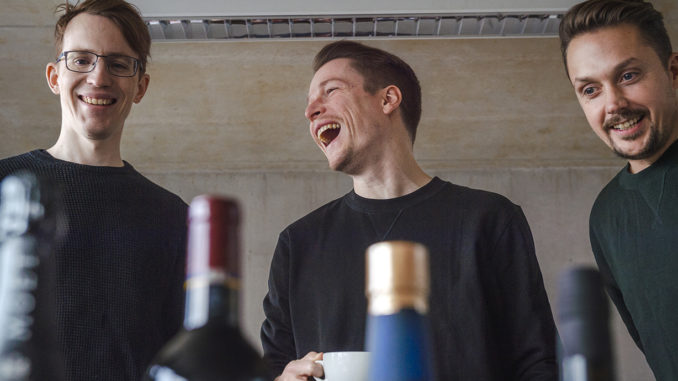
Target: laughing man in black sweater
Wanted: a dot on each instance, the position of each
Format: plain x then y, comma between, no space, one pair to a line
489,312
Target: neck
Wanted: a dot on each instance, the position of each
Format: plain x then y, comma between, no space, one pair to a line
89,152
636,166
210,303
392,177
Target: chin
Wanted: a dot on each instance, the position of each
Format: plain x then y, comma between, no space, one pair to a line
334,164
636,152
338,167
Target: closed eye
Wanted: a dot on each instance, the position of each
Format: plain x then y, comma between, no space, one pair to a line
81,61
120,65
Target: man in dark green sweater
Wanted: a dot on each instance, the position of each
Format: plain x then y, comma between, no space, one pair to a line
120,268
619,59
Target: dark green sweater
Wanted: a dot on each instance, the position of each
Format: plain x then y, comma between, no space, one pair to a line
120,268
634,235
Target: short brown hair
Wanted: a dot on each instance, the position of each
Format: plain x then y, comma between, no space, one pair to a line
379,70
595,14
123,14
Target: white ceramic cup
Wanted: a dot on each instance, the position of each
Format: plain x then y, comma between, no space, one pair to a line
345,366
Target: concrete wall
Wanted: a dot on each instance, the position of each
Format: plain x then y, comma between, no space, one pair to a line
227,117
202,8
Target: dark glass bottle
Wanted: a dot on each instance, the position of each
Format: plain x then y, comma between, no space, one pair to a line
398,333
30,222
210,347
583,316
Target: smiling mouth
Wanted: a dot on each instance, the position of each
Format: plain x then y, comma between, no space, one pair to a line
97,101
627,125
328,132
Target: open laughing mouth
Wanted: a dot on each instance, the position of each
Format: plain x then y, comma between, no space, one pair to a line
97,101
328,132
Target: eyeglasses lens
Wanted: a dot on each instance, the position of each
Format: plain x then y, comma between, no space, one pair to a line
84,62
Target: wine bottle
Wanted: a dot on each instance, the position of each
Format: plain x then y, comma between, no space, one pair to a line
210,347
583,315
30,221
398,336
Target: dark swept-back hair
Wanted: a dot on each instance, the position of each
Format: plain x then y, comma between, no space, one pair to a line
379,70
595,14
123,14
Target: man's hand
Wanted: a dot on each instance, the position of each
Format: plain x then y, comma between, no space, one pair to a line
300,370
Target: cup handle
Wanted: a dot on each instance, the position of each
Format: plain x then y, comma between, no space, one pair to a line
316,378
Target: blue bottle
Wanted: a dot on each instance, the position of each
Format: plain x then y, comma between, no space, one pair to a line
397,324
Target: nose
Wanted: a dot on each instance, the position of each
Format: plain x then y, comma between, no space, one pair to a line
313,109
615,101
99,76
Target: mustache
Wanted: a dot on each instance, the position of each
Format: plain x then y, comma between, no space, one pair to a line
621,117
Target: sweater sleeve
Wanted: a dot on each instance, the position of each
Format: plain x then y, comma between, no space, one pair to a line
611,286
277,337
526,323
175,302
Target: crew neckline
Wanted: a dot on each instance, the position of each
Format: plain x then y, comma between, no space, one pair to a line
654,172
376,205
44,156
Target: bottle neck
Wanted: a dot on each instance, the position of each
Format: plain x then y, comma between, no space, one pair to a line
388,303
210,299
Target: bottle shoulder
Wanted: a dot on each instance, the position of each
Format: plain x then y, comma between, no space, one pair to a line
207,353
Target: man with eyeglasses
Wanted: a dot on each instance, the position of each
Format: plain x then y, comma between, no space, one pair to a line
120,268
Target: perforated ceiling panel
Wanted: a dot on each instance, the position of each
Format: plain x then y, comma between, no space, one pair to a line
372,26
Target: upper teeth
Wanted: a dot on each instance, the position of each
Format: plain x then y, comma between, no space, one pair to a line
96,101
330,126
627,124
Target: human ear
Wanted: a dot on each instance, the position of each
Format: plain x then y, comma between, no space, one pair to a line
391,99
673,69
142,86
52,75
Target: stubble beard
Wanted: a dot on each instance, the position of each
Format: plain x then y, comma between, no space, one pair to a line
656,140
345,164
349,163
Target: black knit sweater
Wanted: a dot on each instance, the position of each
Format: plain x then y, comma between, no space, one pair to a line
489,313
120,268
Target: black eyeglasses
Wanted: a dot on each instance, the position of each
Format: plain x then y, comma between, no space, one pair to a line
84,62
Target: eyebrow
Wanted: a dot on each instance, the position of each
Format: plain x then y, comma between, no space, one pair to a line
617,68
92,51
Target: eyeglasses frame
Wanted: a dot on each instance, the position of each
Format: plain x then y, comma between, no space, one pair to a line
64,55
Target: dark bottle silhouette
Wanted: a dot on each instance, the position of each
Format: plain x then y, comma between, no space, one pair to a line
210,347
583,316
30,226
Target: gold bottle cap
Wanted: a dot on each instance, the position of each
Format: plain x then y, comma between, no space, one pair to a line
397,277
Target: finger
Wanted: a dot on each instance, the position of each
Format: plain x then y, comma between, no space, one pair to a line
317,370
313,356
300,369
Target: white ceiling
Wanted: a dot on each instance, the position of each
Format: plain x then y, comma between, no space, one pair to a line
220,8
